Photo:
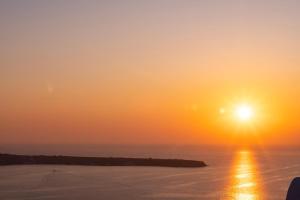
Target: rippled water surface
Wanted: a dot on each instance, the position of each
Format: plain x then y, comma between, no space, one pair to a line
234,174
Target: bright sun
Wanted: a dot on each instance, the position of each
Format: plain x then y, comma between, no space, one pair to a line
244,112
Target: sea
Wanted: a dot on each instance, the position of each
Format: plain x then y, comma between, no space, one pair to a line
232,174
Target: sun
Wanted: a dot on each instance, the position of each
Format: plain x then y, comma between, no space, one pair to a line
244,112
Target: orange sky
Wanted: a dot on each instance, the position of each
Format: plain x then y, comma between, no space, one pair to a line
148,72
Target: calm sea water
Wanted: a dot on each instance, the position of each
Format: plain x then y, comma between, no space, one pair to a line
232,174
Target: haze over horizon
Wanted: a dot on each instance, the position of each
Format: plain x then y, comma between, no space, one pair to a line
149,72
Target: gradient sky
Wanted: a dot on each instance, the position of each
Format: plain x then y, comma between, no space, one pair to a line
148,72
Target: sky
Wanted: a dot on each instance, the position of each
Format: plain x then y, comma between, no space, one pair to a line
148,72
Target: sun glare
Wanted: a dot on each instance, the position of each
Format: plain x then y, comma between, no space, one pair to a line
244,112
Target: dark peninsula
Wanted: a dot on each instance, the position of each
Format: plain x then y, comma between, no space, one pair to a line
11,159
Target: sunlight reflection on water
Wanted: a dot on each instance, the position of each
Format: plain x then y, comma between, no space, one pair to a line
244,182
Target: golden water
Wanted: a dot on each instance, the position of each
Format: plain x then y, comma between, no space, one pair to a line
244,183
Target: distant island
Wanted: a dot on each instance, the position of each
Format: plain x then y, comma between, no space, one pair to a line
11,159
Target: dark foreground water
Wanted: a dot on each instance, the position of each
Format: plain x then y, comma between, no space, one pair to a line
240,174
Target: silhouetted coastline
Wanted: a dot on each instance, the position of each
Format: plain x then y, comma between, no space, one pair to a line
11,159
